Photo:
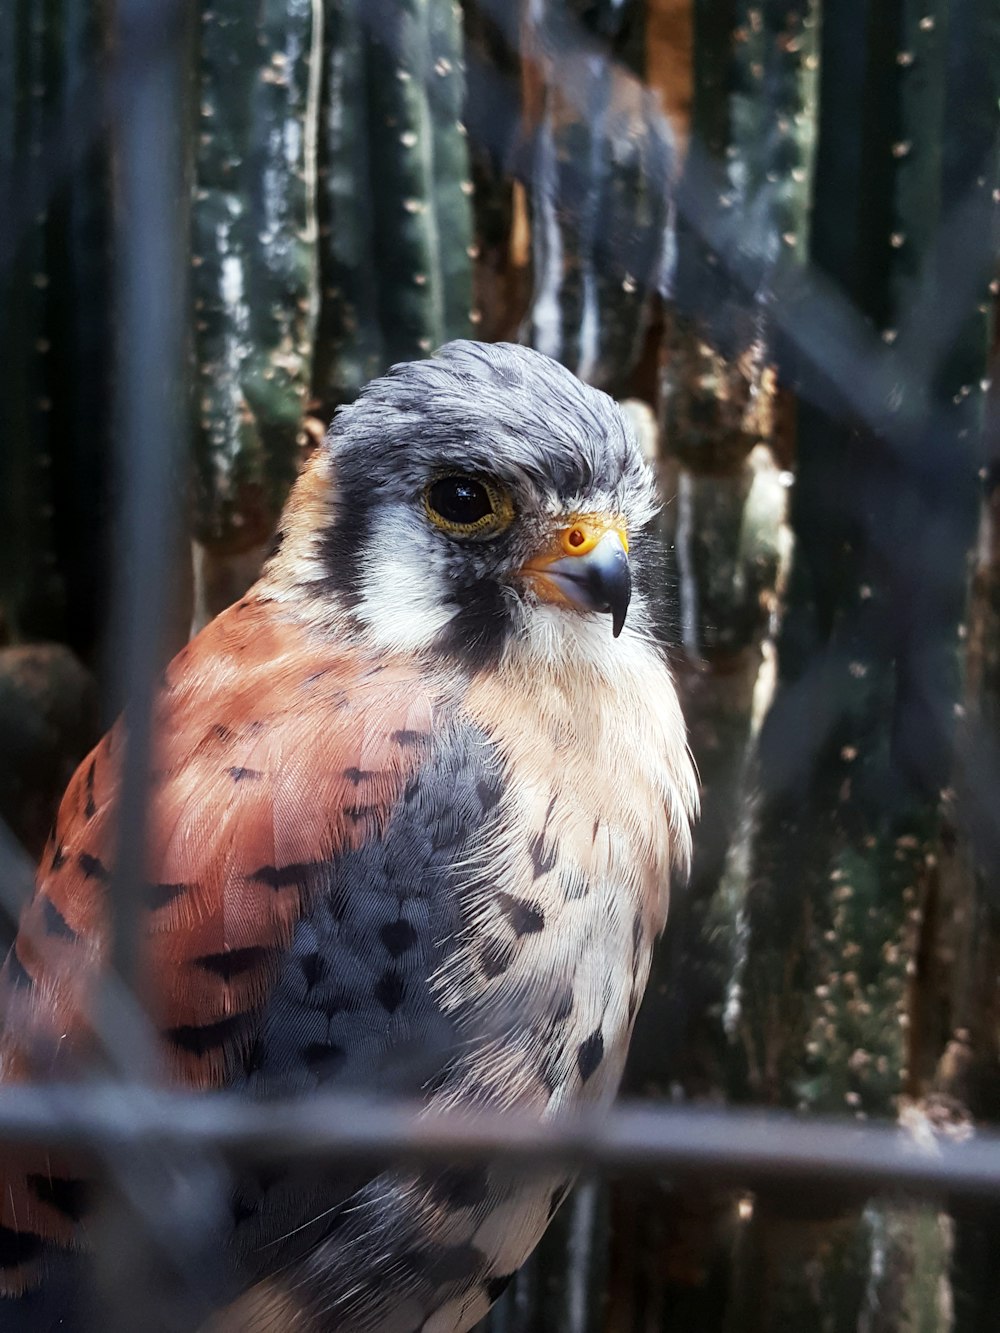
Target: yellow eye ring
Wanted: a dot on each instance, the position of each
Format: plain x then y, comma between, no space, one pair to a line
465,506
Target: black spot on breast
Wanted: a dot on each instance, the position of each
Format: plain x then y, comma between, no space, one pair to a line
254,1057
358,814
389,991
398,937
526,918
72,1198
275,545
409,738
489,793
58,857
543,859
313,968
495,957
297,873
412,1261
159,895
496,1286
245,774
357,775
221,733
90,809
462,1187
589,1054
55,923
455,1263
233,962
17,973
324,1059
564,1006
199,1039
18,1247
336,1001
93,867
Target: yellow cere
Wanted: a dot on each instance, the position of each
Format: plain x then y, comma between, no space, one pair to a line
584,533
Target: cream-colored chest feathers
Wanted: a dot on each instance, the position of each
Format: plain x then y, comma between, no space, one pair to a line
570,888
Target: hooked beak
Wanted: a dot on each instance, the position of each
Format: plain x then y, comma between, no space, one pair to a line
587,568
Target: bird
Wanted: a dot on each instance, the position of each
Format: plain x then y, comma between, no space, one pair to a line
415,806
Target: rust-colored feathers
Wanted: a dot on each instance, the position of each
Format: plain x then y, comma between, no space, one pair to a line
411,828
275,752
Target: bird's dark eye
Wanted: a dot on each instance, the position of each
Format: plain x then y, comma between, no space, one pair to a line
468,506
460,500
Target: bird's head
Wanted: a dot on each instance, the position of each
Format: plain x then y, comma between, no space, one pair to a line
483,498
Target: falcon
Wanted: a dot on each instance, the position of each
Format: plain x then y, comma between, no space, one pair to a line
415,807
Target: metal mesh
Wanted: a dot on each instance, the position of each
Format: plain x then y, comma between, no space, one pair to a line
166,1155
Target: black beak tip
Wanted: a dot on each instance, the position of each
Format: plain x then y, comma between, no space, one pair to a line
616,588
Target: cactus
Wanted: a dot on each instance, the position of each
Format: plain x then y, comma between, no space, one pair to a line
254,257
395,210
747,177
855,750
81,327
601,165
966,1071
494,74
32,593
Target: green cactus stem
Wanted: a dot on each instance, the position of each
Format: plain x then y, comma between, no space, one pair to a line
856,748
32,592
255,262
395,194
600,175
494,77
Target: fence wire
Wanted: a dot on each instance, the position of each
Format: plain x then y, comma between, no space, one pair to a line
139,1136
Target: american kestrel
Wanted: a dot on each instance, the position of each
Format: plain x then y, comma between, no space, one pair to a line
416,804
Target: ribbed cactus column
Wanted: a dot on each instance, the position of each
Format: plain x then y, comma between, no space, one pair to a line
254,276
855,750
599,188
743,202
967,1069
494,76
395,193
31,591
81,331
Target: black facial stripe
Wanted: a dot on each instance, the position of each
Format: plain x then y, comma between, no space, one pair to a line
345,541
477,635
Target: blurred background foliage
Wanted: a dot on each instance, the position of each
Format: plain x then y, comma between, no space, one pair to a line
770,228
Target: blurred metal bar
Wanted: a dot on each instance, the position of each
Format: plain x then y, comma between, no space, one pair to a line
140,1232
151,248
750,1149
